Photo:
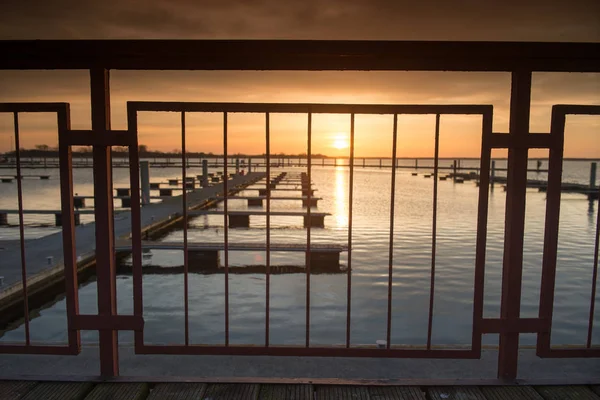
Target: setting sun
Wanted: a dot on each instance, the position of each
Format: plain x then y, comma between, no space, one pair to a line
340,142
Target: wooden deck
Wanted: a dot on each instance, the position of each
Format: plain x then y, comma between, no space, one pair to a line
293,247
29,390
38,250
263,213
272,198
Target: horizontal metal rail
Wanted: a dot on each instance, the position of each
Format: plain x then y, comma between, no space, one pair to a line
299,55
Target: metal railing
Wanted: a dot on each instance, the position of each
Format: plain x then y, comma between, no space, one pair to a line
520,59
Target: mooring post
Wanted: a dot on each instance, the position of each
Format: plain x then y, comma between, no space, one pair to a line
539,165
204,182
416,163
380,163
593,175
454,168
237,166
145,178
363,162
249,164
493,173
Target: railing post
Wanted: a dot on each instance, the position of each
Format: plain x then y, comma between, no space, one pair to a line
512,268
593,176
103,202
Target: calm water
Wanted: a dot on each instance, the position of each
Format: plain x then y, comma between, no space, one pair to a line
455,255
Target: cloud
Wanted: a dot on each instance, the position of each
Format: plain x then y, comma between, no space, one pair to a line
549,20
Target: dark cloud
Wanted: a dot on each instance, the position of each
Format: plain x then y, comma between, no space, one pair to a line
549,20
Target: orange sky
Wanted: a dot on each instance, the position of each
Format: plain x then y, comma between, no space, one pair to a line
507,20
460,135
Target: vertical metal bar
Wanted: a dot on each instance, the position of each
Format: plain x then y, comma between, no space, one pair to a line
349,271
185,231
68,230
268,255
308,209
391,253
594,279
103,213
512,270
226,232
433,230
557,130
482,217
21,228
136,226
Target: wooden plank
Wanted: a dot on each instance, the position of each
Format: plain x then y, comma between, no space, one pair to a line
455,393
396,393
13,390
258,213
231,392
125,245
59,391
510,392
566,393
119,391
291,392
596,389
342,392
178,391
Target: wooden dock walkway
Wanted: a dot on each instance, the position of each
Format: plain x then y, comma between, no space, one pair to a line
542,186
241,219
38,252
125,245
317,390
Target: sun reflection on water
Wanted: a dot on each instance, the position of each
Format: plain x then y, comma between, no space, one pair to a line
341,197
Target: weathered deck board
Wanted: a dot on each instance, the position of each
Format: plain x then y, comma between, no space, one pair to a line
119,391
510,393
125,245
342,393
566,393
14,390
232,392
178,391
288,392
396,393
59,391
455,393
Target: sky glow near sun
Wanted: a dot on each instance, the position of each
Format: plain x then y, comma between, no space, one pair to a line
460,136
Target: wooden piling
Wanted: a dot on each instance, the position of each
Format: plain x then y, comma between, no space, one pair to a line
493,174
145,182
239,221
79,202
123,192
204,181
58,219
